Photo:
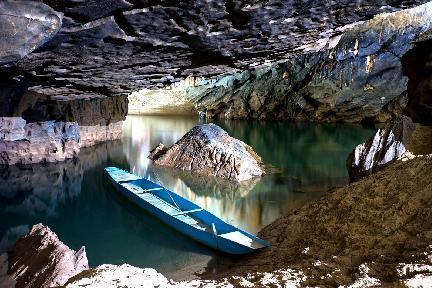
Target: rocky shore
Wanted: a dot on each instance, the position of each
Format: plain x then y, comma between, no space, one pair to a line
376,226
370,233
68,67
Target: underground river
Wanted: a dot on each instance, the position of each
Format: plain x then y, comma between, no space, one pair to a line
75,200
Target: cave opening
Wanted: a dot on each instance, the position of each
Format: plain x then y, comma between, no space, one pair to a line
170,100
417,66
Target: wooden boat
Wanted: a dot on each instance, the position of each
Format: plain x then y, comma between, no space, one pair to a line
183,215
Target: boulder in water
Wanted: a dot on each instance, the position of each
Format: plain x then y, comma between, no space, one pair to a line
207,149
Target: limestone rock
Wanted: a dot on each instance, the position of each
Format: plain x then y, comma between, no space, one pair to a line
207,149
12,128
26,143
113,47
40,259
91,135
360,77
386,146
24,26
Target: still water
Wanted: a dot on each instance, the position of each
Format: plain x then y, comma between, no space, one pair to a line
75,200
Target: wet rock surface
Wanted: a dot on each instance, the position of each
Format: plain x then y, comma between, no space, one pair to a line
382,220
386,146
207,149
357,76
25,26
111,48
40,259
26,143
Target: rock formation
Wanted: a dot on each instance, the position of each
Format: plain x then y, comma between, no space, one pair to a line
24,26
40,259
207,149
386,146
327,70
379,221
357,76
103,44
26,143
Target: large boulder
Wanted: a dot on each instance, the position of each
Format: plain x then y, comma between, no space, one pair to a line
386,146
40,259
207,149
24,26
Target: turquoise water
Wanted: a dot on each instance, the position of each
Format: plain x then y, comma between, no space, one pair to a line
74,199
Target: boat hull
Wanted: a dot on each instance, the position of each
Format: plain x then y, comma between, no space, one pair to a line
205,218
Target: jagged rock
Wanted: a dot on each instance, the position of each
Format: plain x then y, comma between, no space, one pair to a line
24,26
26,143
207,149
386,146
40,259
113,47
357,76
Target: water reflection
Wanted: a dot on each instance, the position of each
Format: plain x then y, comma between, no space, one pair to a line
76,201
307,159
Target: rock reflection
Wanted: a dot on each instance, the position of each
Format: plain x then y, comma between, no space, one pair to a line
38,190
214,187
305,159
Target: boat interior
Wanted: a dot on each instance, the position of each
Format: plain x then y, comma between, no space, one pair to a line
182,209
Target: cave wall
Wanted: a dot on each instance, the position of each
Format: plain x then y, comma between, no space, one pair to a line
81,73
360,79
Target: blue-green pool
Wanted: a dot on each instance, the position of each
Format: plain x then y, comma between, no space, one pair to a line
74,199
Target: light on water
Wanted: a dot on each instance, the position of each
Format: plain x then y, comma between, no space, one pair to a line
75,200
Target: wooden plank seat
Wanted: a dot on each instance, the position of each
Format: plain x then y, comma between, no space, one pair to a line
139,190
186,212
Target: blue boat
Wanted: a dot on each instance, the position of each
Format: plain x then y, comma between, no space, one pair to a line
183,215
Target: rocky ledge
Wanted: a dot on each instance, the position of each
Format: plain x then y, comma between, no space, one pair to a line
48,141
40,259
208,150
26,143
